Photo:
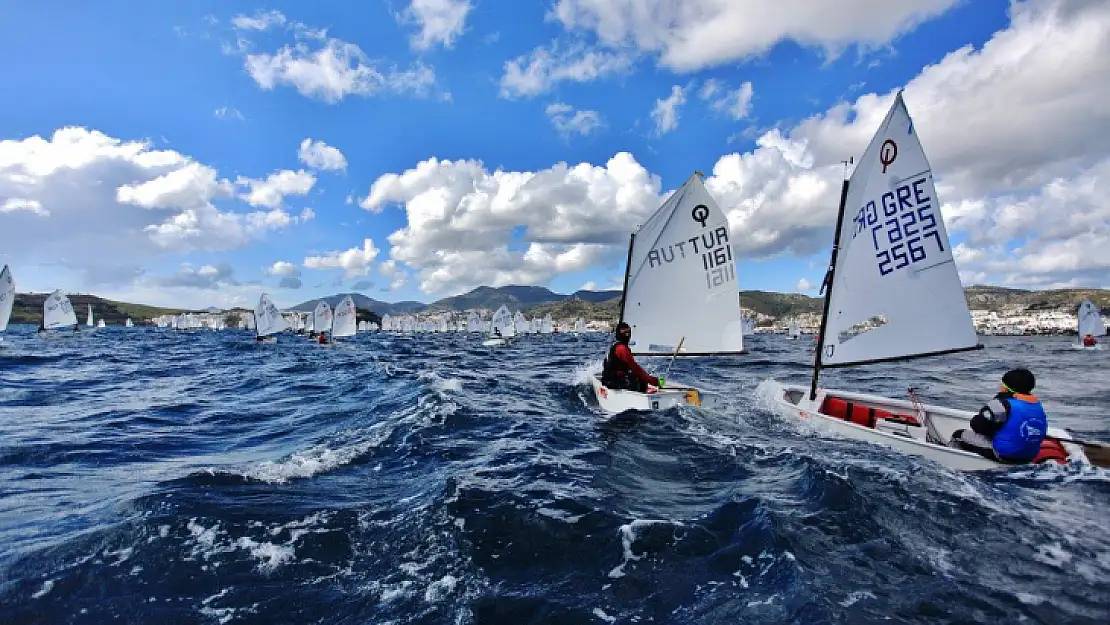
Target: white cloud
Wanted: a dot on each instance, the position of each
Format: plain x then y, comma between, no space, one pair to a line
440,21
539,71
225,112
307,214
282,268
261,20
319,155
271,192
14,204
104,206
735,103
394,273
803,285
665,113
205,277
329,69
589,286
355,261
569,121
693,34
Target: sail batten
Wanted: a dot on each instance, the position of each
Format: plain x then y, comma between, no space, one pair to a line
895,291
681,284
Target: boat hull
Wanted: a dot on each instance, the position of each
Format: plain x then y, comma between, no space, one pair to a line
495,342
618,401
911,439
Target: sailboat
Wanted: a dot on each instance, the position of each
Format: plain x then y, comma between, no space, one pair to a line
1089,320
893,294
129,323
57,312
681,294
100,323
321,319
345,319
794,331
7,297
268,320
579,325
501,328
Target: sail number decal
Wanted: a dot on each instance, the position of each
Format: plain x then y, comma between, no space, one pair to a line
712,246
902,225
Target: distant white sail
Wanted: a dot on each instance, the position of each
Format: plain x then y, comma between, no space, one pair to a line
89,321
895,291
129,323
748,325
100,323
580,326
503,322
547,326
322,317
681,278
1090,320
794,331
7,297
345,319
267,318
57,312
520,323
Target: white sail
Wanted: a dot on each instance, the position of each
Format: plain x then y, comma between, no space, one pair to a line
895,291
794,331
345,319
57,312
1090,320
547,325
100,323
681,279
520,323
89,320
322,317
580,326
129,323
502,321
473,322
7,297
267,318
748,325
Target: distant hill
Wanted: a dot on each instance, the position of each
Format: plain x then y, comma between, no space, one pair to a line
28,309
575,308
515,297
364,303
998,298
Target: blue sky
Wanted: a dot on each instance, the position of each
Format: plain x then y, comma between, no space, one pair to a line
207,83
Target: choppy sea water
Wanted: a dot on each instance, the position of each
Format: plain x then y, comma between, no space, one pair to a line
148,476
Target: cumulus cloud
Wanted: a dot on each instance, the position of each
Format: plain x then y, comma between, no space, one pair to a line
568,121
439,22
665,113
319,155
688,35
355,261
261,20
204,277
803,285
103,205
271,191
282,268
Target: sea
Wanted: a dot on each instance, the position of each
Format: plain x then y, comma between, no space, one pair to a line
154,476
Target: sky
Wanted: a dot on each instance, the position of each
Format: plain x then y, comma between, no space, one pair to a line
197,154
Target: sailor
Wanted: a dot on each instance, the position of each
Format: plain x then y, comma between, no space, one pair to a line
323,340
1089,341
1010,427
621,371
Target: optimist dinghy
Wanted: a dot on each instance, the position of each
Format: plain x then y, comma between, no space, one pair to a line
268,320
681,295
501,328
1089,325
894,294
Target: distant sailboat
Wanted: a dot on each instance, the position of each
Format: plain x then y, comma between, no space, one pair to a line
128,323
89,320
794,331
580,326
1090,325
7,297
268,320
322,318
344,319
57,312
501,327
100,323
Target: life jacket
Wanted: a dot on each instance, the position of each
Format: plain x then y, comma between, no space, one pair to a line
614,373
1025,428
1089,341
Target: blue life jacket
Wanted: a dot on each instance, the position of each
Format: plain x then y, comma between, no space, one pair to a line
1025,428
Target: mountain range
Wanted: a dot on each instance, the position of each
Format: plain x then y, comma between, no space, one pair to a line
590,305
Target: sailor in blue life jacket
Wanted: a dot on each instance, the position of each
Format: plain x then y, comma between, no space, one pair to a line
1010,427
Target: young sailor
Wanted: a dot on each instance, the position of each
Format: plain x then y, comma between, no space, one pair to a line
1010,427
621,372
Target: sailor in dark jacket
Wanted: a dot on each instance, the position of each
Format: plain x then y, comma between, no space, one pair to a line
1010,427
621,371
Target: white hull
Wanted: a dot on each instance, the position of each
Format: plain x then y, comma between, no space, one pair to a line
909,439
495,342
616,402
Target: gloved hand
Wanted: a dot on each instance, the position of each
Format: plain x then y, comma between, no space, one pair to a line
661,381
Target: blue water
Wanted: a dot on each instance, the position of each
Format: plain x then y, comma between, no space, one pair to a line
148,476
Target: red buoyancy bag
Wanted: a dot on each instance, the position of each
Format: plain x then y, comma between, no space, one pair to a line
1051,451
860,414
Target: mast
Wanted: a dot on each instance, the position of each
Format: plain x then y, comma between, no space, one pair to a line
828,283
627,271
